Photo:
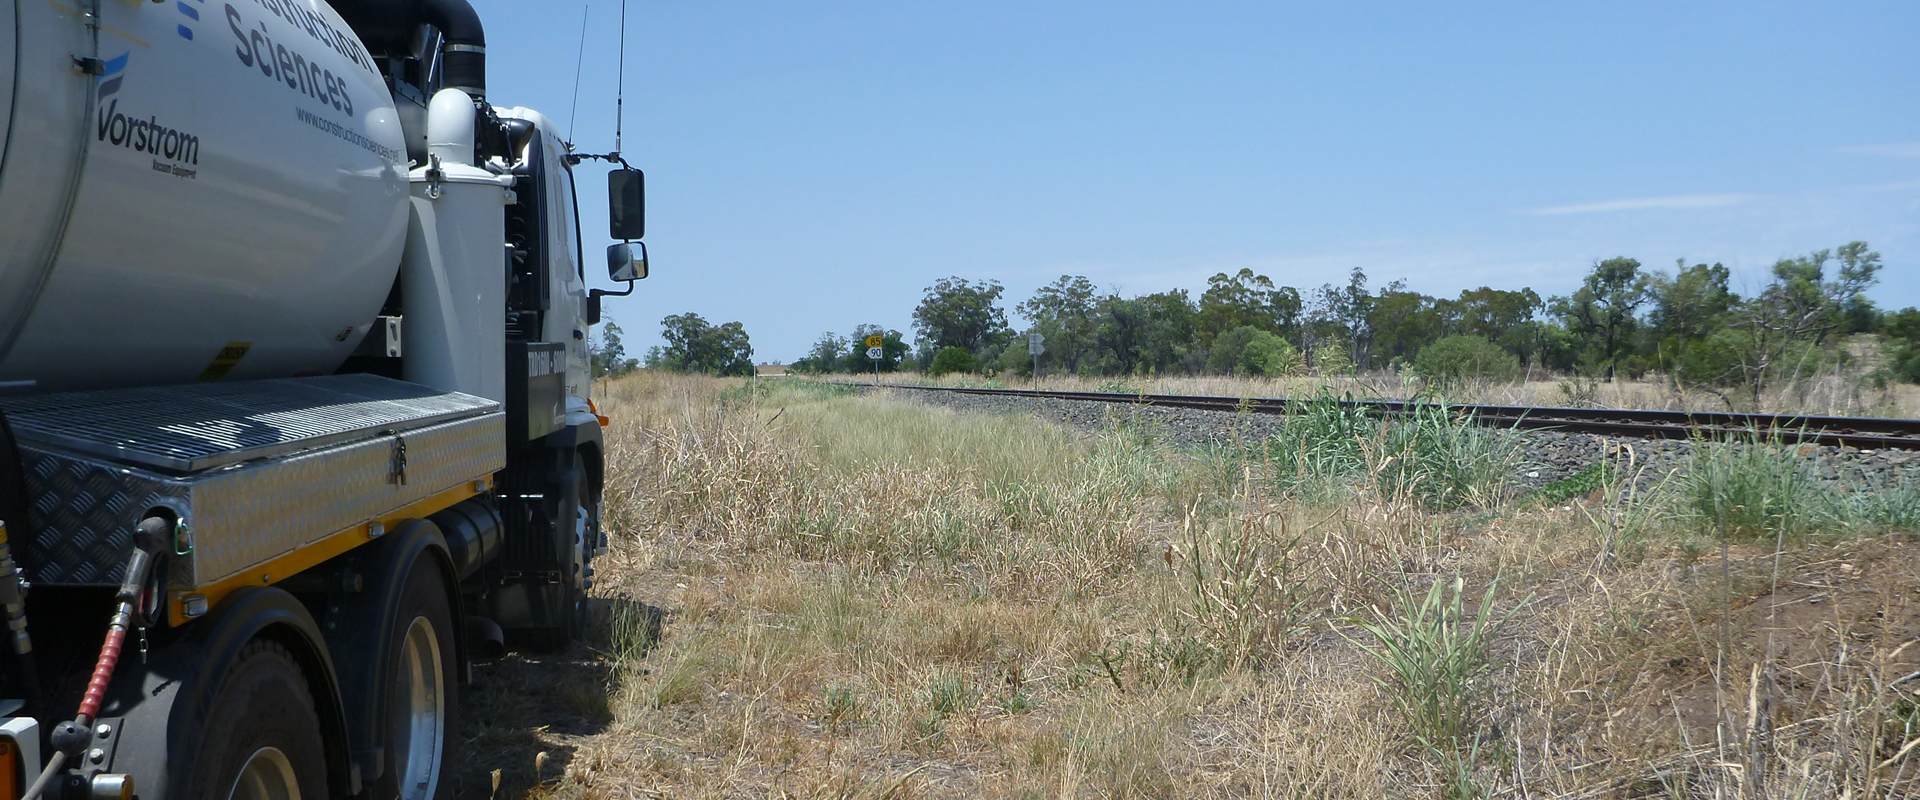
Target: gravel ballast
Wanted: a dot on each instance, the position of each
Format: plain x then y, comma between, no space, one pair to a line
1546,456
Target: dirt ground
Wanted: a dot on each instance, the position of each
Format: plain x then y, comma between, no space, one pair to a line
525,714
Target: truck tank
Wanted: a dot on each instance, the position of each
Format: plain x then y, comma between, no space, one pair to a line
192,191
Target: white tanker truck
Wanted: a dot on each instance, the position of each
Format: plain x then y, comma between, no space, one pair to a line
293,393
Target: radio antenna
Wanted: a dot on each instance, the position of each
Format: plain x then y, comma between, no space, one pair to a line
580,57
620,83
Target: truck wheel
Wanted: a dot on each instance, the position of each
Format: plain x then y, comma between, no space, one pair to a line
262,736
421,688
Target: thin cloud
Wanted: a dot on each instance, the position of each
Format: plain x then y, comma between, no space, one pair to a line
1889,149
1682,201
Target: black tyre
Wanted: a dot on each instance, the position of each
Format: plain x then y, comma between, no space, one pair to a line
262,736
421,688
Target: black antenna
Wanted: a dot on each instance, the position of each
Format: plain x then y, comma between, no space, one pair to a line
620,92
582,56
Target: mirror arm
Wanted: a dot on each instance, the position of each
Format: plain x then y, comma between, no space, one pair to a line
575,158
610,292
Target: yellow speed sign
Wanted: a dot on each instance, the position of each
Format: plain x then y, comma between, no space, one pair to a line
876,341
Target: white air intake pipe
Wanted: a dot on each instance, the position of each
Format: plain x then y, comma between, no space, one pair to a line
450,127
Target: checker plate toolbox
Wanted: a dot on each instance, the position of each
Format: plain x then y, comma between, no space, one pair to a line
253,470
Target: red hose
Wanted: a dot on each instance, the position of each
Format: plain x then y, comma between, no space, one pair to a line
103,671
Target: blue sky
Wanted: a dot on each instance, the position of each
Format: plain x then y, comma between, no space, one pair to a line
811,167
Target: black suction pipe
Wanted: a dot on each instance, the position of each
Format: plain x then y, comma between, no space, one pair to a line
463,52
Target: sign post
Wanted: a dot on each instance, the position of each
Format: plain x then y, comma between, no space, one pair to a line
876,350
1036,346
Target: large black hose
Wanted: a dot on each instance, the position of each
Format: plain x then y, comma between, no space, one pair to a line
463,54
387,27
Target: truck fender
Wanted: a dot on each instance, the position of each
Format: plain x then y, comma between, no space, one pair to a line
163,705
583,434
355,626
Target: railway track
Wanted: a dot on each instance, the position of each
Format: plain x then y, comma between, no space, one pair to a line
1864,433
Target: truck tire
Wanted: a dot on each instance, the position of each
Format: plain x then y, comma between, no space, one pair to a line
421,688
263,738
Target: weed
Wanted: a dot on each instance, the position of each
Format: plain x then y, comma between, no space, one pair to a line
1435,654
1579,484
1179,660
841,706
948,694
1318,453
1751,489
1889,509
847,569
1443,460
1113,659
946,697
1243,591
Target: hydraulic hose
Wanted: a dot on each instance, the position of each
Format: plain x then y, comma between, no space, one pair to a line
13,605
69,737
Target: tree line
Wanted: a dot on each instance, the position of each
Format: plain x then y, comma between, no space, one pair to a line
693,345
1689,325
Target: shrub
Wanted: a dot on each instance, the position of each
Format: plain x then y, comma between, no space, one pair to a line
1269,355
1457,358
952,359
1907,363
1248,350
1016,362
1225,353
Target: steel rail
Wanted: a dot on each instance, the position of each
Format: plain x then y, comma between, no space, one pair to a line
1866,433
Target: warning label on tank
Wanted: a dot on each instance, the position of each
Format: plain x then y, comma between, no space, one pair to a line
223,363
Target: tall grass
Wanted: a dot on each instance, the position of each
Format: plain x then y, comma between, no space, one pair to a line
1767,490
873,598
1751,489
1443,460
1328,451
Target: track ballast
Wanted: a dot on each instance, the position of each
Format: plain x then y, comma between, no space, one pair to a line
1865,433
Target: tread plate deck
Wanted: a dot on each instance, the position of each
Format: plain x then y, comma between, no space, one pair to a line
197,427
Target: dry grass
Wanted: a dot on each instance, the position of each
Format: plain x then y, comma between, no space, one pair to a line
869,598
1837,394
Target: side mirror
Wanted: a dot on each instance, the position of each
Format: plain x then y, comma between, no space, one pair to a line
627,205
627,261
